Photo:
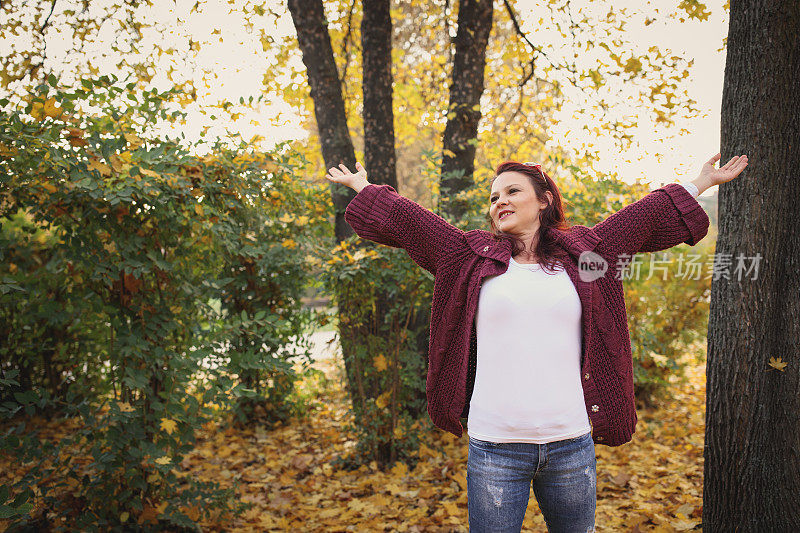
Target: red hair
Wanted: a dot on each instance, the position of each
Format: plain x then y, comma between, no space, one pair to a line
551,217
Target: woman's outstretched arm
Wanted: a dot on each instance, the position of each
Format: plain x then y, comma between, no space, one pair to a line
378,213
666,217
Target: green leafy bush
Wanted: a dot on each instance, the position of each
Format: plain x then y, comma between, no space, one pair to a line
156,287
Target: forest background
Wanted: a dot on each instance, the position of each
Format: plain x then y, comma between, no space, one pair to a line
165,228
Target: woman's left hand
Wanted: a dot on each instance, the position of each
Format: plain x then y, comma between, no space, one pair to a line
715,176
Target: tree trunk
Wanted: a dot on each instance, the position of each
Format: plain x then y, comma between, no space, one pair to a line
379,152
463,113
376,45
337,147
326,92
380,159
752,452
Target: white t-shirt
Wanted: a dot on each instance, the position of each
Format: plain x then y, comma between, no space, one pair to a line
527,379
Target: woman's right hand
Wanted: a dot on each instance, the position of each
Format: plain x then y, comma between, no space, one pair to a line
342,175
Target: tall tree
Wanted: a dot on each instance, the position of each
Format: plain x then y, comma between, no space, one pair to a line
379,152
464,110
752,452
326,91
337,146
376,46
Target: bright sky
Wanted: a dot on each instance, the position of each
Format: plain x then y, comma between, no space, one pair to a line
234,63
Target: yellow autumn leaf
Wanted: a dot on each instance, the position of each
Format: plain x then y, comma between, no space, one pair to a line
51,109
383,400
380,363
452,508
286,218
163,460
116,162
99,166
661,360
198,209
168,425
777,364
40,110
302,220
149,173
289,243
6,151
448,153
124,517
399,469
133,140
125,407
37,110
49,187
633,65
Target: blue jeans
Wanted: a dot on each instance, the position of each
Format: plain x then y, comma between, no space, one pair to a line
564,477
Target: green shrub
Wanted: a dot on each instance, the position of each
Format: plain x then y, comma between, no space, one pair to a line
122,243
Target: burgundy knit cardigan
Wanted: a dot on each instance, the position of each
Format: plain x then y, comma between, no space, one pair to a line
460,260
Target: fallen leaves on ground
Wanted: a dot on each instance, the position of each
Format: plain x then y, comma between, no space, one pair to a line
654,483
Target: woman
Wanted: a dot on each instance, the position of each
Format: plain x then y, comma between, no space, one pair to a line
528,335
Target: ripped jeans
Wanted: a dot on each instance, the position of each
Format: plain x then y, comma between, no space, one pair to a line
564,477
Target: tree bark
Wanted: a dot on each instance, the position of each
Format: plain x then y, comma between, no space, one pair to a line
752,452
463,113
337,148
376,45
379,150
326,92
380,160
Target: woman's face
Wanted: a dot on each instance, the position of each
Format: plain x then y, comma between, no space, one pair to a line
512,192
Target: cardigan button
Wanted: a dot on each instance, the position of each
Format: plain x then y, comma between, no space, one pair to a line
595,408
485,248
599,437
586,376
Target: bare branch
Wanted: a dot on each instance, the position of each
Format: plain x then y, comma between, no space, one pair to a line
535,49
47,20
